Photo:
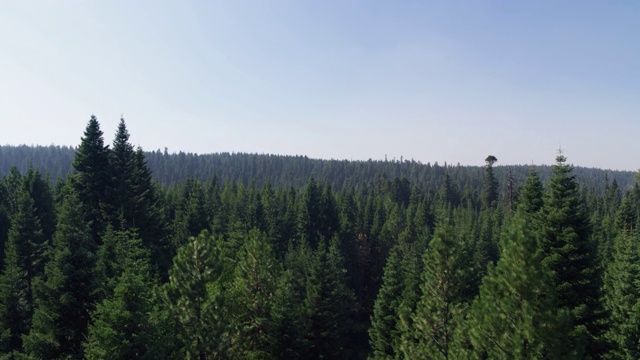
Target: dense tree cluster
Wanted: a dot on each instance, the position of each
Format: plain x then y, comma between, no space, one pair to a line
303,259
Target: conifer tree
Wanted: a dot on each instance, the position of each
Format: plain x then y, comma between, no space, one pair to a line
530,199
39,190
122,167
443,283
251,300
194,298
384,333
622,297
310,214
572,257
14,307
26,235
93,176
515,315
490,185
330,305
65,299
123,326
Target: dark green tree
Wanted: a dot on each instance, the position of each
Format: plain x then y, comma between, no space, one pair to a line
330,305
194,298
93,177
515,316
14,307
123,325
251,301
489,196
443,283
530,200
622,297
572,257
65,299
26,235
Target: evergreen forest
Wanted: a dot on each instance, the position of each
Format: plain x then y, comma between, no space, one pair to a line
110,252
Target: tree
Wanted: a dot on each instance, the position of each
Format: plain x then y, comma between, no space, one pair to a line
93,176
572,257
65,299
622,297
444,280
251,300
122,167
515,315
384,333
14,307
329,304
26,235
123,325
193,296
490,185
530,200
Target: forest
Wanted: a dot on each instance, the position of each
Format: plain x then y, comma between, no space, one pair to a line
110,252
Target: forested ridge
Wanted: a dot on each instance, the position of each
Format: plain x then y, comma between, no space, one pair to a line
114,253
280,170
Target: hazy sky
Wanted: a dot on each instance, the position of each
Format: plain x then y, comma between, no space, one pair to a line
430,80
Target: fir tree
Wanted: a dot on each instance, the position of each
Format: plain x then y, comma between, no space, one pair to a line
26,235
251,300
515,315
193,296
65,299
123,326
490,185
622,297
14,307
443,283
572,257
93,176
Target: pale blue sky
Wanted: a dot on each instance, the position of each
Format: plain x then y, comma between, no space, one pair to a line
430,80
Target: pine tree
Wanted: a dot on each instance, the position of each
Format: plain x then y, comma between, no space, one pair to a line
39,190
93,176
622,297
122,167
530,200
515,315
384,333
329,304
14,307
122,326
251,299
572,257
26,235
194,298
443,283
490,186
310,214
65,299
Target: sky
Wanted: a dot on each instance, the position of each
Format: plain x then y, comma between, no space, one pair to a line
446,81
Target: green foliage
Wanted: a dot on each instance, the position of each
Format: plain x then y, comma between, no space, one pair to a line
489,195
622,297
193,296
14,306
65,299
92,176
515,315
572,257
397,294
429,332
251,300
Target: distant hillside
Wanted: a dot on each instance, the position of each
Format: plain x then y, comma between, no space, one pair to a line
295,171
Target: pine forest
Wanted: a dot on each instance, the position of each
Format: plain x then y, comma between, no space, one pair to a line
111,252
